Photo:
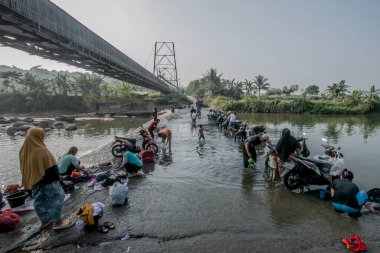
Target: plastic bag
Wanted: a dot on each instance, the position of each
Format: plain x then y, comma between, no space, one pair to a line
118,194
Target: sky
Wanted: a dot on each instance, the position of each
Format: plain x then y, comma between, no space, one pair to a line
300,42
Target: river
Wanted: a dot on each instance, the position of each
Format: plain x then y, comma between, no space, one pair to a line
200,199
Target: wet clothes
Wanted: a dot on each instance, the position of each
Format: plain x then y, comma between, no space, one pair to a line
67,163
252,142
345,196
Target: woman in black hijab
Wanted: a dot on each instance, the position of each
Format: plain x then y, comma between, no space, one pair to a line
286,146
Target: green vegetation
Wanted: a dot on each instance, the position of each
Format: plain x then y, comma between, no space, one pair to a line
249,96
23,91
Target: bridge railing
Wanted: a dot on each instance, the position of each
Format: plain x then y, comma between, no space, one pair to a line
45,14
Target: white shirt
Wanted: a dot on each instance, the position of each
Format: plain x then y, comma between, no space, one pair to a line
233,118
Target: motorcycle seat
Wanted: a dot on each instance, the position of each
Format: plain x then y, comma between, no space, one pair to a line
131,140
324,166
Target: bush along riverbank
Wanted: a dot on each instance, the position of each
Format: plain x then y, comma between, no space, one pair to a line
289,105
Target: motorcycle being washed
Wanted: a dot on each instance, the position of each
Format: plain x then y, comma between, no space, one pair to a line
302,172
121,143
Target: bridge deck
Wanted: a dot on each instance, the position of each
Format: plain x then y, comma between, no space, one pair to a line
41,28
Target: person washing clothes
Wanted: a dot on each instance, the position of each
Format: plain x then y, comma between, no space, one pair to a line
153,126
68,162
346,197
166,136
249,150
131,163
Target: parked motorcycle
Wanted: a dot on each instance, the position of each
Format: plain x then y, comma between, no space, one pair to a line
301,172
121,143
193,118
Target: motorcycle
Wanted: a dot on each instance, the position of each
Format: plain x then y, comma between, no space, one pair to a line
302,172
220,120
148,142
199,113
213,115
241,134
124,143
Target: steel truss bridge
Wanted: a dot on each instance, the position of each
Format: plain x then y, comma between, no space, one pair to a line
41,28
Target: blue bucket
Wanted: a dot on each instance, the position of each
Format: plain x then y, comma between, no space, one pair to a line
323,194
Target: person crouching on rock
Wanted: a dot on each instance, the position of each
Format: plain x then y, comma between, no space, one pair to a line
68,162
153,126
131,163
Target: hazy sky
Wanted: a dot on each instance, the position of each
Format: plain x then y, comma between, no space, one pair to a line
288,41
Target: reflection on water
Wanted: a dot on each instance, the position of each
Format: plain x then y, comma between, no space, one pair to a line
91,134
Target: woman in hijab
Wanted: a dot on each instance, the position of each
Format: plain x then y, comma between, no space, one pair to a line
286,146
40,174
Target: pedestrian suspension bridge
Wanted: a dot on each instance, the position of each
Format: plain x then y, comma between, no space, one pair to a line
41,28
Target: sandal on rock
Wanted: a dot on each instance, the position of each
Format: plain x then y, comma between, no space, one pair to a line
64,224
103,229
109,225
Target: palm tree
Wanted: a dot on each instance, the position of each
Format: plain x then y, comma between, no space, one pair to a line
261,83
337,90
213,81
249,87
62,82
372,97
36,91
11,78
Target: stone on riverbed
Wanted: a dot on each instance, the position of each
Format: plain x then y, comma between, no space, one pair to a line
11,130
4,120
19,133
24,128
71,127
59,125
19,123
47,129
29,120
65,118
44,124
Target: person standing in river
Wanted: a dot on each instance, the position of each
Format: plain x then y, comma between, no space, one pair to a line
40,173
201,133
249,150
166,136
155,114
286,146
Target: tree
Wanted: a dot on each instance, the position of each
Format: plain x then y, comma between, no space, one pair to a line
372,97
273,91
249,87
213,82
287,91
11,78
88,83
356,96
261,83
36,91
62,82
311,90
338,90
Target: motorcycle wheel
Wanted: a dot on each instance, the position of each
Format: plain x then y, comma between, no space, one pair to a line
153,146
116,151
290,180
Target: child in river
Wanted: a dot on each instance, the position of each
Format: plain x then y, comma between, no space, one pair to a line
272,165
200,133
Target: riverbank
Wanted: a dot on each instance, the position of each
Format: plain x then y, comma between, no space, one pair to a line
292,105
22,238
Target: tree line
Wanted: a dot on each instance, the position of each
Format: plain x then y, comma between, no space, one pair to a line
212,85
37,91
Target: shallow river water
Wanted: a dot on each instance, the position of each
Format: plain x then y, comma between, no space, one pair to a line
200,199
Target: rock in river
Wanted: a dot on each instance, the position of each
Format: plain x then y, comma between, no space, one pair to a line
65,118
59,125
24,128
71,127
11,130
44,124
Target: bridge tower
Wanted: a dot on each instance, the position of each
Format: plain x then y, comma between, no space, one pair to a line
165,65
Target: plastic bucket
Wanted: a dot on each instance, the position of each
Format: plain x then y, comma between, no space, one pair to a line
17,199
